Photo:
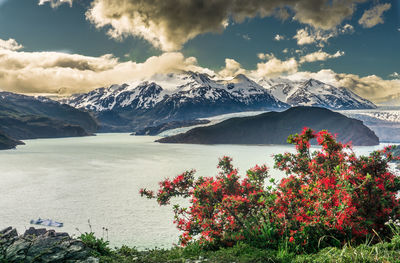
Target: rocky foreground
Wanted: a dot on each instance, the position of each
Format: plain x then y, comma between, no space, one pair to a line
41,245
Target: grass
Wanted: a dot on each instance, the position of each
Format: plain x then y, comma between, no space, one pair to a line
384,252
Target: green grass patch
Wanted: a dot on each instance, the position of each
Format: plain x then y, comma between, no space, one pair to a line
384,252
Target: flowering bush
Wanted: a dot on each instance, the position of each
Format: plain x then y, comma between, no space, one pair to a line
220,206
329,197
332,193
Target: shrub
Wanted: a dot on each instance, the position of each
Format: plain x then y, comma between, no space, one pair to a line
332,195
220,206
329,197
98,245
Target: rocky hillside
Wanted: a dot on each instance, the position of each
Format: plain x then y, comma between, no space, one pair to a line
8,143
27,117
275,127
35,127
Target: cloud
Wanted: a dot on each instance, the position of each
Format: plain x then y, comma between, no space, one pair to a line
346,29
232,68
50,72
246,37
373,16
320,56
265,56
10,44
325,15
304,37
63,73
324,75
168,24
282,13
276,67
371,87
279,37
56,3
273,67
308,35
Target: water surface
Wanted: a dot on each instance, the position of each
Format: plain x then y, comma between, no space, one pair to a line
98,178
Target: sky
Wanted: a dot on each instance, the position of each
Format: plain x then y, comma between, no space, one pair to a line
69,46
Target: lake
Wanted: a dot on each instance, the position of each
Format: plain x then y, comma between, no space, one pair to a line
97,178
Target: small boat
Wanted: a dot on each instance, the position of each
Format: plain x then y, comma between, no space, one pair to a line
46,222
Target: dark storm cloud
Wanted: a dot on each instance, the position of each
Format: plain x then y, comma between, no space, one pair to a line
168,24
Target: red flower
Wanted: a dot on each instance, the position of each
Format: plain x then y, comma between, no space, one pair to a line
330,191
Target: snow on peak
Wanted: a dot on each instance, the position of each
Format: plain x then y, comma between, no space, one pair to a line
313,92
187,86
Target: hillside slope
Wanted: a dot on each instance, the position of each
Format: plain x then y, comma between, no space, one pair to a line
8,143
27,117
275,127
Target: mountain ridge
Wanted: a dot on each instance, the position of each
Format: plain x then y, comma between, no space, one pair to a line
316,93
187,96
27,117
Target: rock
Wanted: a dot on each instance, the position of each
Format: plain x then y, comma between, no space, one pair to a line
35,232
9,232
41,245
7,237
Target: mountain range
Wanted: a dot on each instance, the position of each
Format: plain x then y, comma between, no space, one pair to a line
167,101
315,93
187,96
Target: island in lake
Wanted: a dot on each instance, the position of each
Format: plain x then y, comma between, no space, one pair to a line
275,127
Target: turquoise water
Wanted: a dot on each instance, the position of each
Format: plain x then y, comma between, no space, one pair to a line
73,180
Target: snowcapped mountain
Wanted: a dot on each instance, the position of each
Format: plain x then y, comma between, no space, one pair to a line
180,88
167,97
315,93
189,95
